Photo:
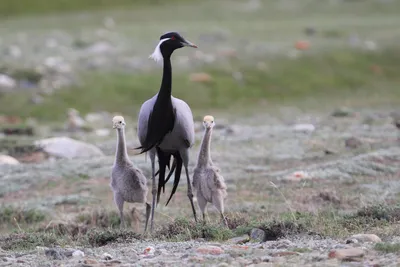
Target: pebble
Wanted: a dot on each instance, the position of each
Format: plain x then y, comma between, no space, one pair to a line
200,77
211,250
353,142
342,112
54,254
6,82
107,256
78,254
7,160
239,240
305,128
366,238
257,235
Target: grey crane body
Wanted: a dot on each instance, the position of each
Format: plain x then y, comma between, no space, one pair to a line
207,179
165,125
128,183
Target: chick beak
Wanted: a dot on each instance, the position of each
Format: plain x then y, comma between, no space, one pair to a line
189,44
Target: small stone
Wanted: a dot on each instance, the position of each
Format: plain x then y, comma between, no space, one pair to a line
200,77
89,261
8,259
149,250
257,235
266,259
239,240
107,256
349,254
212,250
78,254
366,238
342,112
7,160
305,128
54,254
6,82
353,142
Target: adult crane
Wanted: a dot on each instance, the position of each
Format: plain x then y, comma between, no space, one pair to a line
165,124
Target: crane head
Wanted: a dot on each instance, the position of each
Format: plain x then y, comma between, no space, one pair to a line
168,43
208,122
118,122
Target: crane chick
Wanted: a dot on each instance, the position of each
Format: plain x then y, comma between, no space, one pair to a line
127,182
207,179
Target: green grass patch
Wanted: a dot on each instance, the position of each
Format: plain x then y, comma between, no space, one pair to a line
28,7
341,74
388,247
101,228
13,215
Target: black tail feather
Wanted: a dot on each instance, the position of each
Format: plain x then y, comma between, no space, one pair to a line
162,165
178,170
171,171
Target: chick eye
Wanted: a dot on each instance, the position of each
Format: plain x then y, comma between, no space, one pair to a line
120,121
212,121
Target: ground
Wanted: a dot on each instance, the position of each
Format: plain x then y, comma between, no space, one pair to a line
305,139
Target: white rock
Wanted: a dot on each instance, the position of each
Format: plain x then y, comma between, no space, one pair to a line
78,254
66,147
7,160
106,256
308,128
7,82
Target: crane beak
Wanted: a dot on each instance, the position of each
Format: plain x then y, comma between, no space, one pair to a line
189,44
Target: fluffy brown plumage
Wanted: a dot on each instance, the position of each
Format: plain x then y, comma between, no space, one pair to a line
207,179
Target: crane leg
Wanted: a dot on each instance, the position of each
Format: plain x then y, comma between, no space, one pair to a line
154,189
185,159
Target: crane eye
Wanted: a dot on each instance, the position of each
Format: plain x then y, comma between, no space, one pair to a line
172,38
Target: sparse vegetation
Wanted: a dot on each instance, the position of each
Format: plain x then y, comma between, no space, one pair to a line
16,215
388,247
339,73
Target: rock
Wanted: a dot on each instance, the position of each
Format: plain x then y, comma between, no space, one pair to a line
211,250
6,82
78,254
7,160
66,147
342,112
106,256
90,262
200,77
54,254
353,142
306,128
257,235
329,196
302,45
239,240
297,176
149,250
347,254
309,31
366,238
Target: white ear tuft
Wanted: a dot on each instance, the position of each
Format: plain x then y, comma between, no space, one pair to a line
157,56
